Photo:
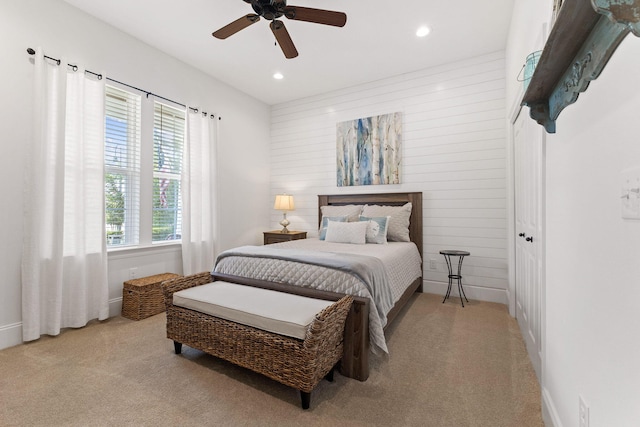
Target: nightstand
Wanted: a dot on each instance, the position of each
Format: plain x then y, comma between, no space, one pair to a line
276,236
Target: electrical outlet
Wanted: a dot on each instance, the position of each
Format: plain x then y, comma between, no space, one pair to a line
583,413
133,273
432,264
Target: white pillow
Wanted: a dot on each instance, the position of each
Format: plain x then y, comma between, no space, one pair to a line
322,233
377,228
399,222
347,232
352,212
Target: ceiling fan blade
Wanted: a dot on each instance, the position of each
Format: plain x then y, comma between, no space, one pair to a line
235,26
318,16
283,38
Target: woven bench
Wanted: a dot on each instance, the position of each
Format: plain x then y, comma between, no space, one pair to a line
300,363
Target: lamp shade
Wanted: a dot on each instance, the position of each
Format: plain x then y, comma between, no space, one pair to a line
284,202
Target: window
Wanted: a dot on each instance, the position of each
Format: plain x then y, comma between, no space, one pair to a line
168,139
142,199
122,167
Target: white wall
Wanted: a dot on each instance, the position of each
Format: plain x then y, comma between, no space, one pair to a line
454,153
64,31
592,253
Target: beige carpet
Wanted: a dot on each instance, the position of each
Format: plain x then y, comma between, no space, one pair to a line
449,366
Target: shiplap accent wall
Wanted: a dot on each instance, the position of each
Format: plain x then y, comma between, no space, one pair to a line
454,152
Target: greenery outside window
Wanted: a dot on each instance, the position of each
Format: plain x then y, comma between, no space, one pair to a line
122,167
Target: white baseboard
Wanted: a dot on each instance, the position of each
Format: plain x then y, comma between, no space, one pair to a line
10,335
472,292
511,304
115,307
549,412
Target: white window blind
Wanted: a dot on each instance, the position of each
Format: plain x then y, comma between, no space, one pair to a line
168,140
122,167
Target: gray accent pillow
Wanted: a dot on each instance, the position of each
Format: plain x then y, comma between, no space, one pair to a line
398,224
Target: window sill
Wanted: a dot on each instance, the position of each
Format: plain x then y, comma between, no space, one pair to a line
135,251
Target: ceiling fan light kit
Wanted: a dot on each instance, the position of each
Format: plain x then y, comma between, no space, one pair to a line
271,10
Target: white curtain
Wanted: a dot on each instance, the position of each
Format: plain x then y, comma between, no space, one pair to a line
64,260
199,194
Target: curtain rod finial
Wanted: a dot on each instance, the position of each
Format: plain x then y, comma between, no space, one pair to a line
31,51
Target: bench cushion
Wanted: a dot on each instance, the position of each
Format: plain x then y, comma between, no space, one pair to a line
277,312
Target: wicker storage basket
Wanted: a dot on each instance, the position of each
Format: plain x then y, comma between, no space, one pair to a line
143,297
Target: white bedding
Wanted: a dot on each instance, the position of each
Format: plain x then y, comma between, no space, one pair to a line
402,261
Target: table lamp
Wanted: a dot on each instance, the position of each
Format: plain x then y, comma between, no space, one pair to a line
284,202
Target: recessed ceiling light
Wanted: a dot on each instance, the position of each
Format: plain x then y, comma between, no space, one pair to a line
278,76
423,31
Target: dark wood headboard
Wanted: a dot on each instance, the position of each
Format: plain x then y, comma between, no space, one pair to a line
389,199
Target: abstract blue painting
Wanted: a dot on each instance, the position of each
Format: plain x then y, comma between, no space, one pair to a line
369,150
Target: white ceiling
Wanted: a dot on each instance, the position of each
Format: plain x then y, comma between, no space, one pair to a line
378,40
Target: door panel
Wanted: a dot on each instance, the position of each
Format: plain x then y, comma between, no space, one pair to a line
528,139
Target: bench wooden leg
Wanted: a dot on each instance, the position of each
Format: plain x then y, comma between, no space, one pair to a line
306,399
177,346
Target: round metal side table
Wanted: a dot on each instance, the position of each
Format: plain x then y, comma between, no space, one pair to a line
447,257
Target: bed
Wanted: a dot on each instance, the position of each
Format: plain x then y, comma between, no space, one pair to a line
287,267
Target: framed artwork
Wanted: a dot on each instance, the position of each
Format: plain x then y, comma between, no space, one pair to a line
369,150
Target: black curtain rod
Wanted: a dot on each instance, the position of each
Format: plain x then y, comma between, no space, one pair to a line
30,51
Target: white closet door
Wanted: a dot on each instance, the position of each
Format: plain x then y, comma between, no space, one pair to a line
528,138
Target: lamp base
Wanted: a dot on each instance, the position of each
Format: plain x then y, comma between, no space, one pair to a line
284,223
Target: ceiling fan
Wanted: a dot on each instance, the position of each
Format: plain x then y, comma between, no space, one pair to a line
272,10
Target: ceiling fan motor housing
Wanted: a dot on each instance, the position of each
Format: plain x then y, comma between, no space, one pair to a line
269,9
